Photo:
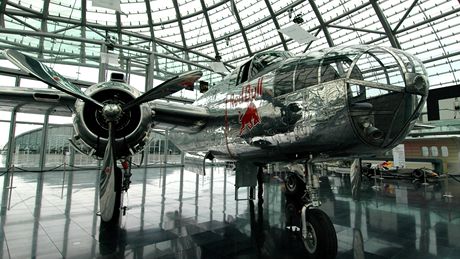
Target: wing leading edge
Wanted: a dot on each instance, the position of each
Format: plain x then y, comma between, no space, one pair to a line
38,101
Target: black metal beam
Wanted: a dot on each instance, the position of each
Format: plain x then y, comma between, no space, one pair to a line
109,28
181,29
2,13
323,25
211,33
152,31
386,26
44,25
242,30
405,16
277,25
83,31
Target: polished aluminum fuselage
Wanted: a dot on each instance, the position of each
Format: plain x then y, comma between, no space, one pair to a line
251,121
321,126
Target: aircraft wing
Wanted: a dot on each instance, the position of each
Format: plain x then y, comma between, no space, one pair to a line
38,101
179,116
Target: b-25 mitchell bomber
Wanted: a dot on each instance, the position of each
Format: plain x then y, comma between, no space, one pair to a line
338,102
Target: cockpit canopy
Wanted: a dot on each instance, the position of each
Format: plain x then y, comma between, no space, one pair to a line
259,64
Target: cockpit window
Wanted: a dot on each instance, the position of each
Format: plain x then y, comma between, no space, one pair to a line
261,63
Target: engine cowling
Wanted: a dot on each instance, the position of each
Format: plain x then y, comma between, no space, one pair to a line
91,130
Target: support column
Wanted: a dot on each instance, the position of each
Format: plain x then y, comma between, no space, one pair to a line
166,146
83,32
149,73
102,65
44,140
44,27
11,139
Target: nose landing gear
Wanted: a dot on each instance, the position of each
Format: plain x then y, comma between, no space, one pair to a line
317,231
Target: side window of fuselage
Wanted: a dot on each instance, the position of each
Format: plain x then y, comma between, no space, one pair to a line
306,73
243,74
232,77
284,78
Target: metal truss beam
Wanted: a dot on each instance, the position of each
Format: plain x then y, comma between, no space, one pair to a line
181,29
66,29
252,25
277,25
152,32
44,25
242,30
311,42
23,22
386,26
83,31
2,13
316,28
98,42
111,29
418,24
355,29
120,38
453,11
323,25
211,33
403,18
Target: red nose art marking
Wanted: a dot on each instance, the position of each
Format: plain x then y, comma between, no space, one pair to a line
250,118
56,78
107,170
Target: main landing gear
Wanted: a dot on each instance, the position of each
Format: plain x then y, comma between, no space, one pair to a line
317,231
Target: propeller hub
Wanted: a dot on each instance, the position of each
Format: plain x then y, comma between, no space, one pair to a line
111,111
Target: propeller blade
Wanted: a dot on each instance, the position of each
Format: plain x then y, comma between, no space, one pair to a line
107,193
168,87
46,74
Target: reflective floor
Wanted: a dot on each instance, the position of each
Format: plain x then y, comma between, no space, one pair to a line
174,213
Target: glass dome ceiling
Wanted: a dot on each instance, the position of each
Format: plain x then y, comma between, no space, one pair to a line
188,34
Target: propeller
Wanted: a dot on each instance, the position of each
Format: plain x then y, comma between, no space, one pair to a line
166,88
107,193
47,75
112,112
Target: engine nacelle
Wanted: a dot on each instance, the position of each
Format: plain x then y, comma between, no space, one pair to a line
91,130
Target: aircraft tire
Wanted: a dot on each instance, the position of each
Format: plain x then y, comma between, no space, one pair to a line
320,239
294,185
417,174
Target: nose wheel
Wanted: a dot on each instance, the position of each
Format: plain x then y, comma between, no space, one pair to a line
318,234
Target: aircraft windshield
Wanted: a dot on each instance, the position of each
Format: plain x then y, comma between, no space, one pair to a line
265,60
260,64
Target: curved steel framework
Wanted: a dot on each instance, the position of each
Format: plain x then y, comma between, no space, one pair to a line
158,39
182,35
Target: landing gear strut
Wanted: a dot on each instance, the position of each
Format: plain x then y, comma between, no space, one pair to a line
317,231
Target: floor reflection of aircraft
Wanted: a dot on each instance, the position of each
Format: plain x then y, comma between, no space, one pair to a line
343,101
250,237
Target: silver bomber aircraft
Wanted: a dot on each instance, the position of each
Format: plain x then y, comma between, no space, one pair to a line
338,102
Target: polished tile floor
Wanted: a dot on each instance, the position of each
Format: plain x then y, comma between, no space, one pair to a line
174,213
